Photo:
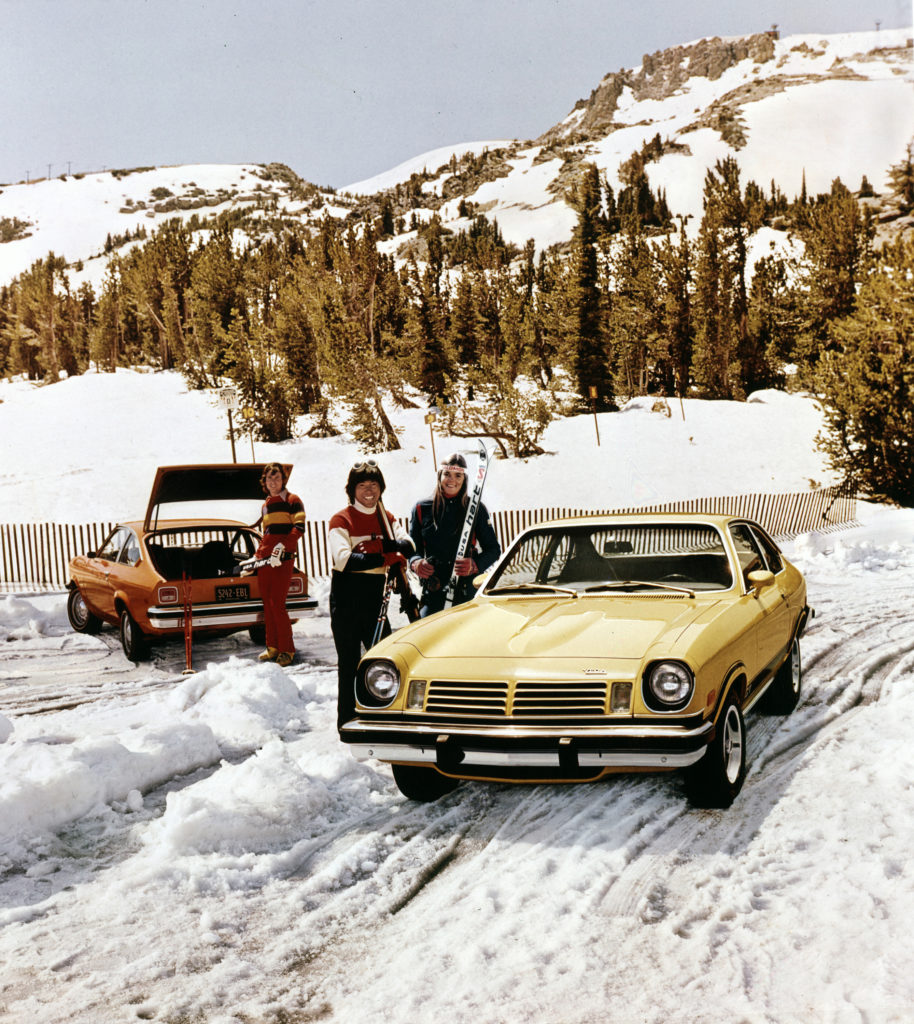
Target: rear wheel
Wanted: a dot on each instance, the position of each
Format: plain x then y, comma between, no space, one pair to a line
258,634
81,619
784,692
422,784
133,639
717,778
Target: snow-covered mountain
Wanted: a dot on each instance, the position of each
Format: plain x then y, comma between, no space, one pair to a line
800,108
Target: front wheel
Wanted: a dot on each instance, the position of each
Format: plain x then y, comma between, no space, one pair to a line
81,619
717,778
422,784
133,639
784,692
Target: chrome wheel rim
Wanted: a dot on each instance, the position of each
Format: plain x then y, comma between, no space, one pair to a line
732,745
795,667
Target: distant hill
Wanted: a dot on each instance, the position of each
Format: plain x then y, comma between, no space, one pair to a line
798,111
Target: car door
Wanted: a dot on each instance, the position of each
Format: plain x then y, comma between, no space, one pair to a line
773,627
97,584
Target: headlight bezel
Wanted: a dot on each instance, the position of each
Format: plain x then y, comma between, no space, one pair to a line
368,689
670,701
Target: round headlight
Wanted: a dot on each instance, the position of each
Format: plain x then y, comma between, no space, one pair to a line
670,683
382,681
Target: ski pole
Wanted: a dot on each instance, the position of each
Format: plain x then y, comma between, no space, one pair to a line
382,611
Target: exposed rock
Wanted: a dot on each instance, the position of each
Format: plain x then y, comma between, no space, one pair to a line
661,74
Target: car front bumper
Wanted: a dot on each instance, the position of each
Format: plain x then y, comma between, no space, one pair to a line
555,748
237,614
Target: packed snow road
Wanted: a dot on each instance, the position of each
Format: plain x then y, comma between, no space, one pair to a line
202,849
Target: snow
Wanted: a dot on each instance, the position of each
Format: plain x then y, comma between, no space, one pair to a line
203,848
424,162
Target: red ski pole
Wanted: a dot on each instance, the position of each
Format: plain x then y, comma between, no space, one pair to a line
188,626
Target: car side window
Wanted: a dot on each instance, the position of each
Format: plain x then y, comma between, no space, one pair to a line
747,550
130,552
772,555
110,550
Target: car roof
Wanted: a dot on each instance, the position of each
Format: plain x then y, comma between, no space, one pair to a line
205,482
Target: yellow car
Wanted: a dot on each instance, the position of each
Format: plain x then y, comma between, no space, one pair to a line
596,645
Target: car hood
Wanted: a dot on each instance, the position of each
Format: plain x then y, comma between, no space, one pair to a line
615,627
229,482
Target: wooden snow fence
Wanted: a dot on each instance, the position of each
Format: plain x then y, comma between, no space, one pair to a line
36,555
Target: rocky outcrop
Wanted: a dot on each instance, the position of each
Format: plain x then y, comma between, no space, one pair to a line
661,74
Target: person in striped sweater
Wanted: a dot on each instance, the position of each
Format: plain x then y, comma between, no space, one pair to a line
282,520
362,548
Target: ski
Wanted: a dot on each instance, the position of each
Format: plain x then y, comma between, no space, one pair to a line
409,603
469,520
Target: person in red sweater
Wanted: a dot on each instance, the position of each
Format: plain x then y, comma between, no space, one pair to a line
361,550
282,520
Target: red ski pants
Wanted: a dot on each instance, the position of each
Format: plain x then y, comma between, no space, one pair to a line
274,586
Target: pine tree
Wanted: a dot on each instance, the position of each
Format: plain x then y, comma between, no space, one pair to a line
866,379
591,362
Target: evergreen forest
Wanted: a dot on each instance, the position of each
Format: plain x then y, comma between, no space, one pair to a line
322,320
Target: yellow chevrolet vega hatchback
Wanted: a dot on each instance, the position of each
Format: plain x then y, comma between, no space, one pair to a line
596,645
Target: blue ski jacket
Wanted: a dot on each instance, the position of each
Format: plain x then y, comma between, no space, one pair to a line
436,539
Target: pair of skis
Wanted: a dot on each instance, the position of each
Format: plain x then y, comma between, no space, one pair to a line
469,521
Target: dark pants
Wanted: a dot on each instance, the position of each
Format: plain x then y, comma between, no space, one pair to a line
355,601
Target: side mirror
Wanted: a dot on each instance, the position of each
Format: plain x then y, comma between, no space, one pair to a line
760,578
481,579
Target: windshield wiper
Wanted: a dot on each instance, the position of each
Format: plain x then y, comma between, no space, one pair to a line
548,587
625,584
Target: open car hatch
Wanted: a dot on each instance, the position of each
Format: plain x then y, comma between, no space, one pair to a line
229,482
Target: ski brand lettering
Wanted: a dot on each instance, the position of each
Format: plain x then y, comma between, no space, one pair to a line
469,520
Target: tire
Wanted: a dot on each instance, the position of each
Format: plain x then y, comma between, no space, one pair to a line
717,778
258,634
81,619
422,784
784,693
133,639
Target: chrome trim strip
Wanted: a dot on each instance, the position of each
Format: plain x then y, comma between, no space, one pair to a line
523,758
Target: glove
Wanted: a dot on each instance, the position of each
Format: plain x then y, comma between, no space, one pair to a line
390,544
394,558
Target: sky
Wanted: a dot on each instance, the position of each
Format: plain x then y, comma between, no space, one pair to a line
339,90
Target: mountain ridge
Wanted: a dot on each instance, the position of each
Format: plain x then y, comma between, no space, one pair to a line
801,110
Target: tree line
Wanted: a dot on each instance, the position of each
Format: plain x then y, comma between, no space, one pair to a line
323,319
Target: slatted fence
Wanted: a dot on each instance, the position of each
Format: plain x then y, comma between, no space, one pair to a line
37,554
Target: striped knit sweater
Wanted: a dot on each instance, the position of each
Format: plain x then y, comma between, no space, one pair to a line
283,519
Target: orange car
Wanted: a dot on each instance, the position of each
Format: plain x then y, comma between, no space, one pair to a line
137,579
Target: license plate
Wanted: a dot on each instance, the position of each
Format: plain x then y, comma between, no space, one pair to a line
235,592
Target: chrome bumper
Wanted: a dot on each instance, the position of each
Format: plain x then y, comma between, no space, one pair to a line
216,616
452,749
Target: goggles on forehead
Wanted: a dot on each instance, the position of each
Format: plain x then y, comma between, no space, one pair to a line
368,464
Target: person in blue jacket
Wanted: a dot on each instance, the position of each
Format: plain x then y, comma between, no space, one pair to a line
435,527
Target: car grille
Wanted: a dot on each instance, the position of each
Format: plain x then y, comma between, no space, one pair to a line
554,699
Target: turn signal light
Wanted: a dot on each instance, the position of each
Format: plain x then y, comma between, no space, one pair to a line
168,595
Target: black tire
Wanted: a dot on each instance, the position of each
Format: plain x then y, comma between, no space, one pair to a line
133,639
81,619
717,778
784,693
422,784
258,634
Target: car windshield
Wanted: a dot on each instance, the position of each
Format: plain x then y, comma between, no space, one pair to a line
608,559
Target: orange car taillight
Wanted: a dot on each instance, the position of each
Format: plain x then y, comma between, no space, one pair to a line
297,585
168,595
